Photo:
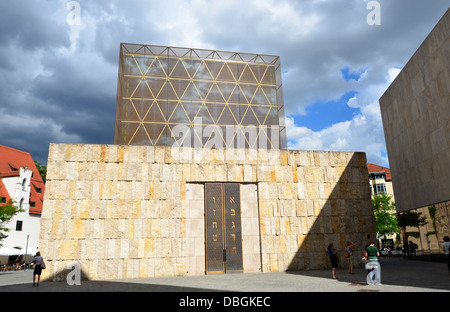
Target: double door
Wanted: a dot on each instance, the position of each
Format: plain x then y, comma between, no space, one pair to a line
223,228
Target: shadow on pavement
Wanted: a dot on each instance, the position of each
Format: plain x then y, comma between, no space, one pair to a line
100,286
395,272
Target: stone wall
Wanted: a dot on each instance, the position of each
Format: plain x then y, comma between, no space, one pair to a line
416,112
138,211
442,221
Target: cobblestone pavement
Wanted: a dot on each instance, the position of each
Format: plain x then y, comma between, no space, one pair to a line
397,274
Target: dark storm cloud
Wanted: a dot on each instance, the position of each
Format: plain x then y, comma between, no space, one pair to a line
58,82
26,23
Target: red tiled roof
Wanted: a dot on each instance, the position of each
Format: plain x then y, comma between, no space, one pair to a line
11,160
4,193
375,168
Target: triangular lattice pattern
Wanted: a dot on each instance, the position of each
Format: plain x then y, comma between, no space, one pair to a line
206,91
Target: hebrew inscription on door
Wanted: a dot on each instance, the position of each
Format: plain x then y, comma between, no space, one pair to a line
223,228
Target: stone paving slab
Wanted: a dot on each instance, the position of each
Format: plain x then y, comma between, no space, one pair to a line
398,275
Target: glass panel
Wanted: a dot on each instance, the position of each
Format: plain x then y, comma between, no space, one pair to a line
215,110
172,86
155,113
177,114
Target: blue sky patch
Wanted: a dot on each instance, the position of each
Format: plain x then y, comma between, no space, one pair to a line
321,115
348,75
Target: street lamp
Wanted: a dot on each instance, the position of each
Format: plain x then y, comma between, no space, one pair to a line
26,251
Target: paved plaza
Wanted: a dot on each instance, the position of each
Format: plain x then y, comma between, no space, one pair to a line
397,274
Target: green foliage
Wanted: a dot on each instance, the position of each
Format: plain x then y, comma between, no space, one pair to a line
6,213
385,215
42,170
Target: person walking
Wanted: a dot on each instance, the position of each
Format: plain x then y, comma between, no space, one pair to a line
349,255
446,249
333,259
372,254
39,264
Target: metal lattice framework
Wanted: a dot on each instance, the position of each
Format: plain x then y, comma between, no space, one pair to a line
203,91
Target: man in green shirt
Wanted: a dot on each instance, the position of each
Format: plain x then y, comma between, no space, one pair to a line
372,255
372,251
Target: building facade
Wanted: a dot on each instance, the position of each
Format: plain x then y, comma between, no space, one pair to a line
22,184
380,180
197,181
416,112
124,211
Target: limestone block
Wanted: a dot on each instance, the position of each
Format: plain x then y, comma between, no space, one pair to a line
248,173
53,170
321,158
286,191
264,173
274,156
273,262
284,174
78,228
164,267
312,190
288,208
212,155
284,157
294,158
221,172
150,153
159,155
185,155
251,156
67,249
112,153
124,248
186,172
301,190
301,208
198,155
318,174
74,152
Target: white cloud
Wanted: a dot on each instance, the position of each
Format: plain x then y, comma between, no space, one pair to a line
364,132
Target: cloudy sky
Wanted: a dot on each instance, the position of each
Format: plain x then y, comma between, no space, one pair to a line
58,74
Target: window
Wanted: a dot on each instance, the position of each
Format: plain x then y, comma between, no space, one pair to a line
3,200
19,225
32,204
24,184
379,188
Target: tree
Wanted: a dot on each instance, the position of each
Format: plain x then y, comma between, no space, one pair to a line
385,215
410,218
6,213
42,170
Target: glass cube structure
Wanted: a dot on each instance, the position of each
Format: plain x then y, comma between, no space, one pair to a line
199,98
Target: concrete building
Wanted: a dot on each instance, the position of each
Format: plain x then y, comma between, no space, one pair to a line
146,211
21,182
416,119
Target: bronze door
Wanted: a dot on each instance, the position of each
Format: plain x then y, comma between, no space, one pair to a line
223,228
